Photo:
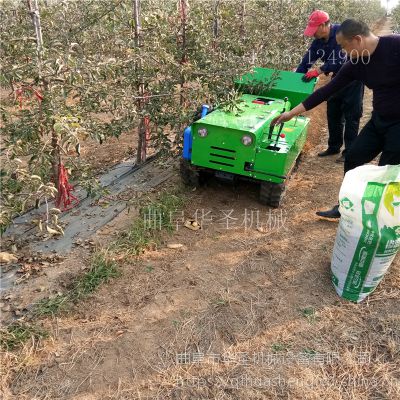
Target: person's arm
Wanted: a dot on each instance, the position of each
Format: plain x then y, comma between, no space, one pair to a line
287,116
309,59
341,80
333,62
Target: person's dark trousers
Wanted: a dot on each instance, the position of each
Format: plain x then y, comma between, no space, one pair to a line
344,110
378,135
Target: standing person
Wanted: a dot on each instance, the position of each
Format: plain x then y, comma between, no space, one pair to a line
375,61
344,108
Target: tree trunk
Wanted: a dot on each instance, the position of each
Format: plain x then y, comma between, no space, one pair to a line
35,14
216,23
242,21
183,5
141,150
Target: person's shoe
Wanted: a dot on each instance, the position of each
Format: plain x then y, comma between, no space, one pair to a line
328,152
332,213
340,159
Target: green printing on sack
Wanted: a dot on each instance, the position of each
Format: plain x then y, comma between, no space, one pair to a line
368,242
390,241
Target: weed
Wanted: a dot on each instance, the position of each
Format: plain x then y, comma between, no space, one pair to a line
154,218
309,352
276,347
16,334
51,305
102,269
219,302
309,313
176,323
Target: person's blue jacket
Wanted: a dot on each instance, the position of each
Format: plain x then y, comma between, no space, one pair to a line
329,52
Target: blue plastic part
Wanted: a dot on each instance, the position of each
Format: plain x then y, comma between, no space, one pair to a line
204,110
187,143
187,135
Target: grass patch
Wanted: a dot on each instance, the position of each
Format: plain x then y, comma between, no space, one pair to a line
154,219
309,352
217,303
102,269
136,239
277,347
309,313
51,306
16,334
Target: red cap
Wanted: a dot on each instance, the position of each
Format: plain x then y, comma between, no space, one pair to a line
317,18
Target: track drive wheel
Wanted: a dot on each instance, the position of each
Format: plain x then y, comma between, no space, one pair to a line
271,193
190,174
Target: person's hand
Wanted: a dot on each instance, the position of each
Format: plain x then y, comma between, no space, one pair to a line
280,119
313,73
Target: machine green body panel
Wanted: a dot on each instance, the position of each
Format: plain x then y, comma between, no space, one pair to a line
288,85
222,148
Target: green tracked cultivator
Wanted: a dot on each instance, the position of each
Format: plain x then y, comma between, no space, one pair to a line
242,144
